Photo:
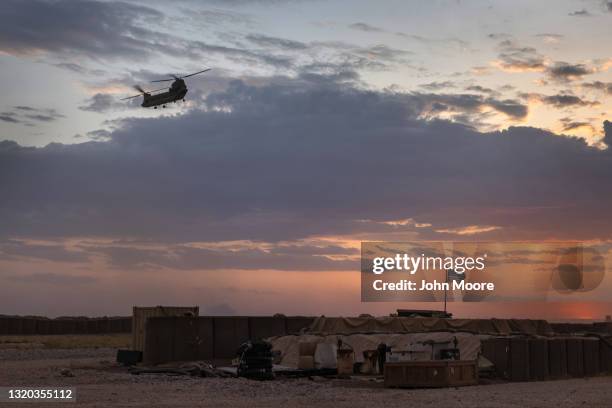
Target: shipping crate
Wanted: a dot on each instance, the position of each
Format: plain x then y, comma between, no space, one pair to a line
431,374
141,314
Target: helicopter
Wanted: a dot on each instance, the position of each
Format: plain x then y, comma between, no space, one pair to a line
176,92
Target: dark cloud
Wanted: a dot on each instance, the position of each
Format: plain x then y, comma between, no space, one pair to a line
569,124
296,158
96,30
9,117
366,27
436,86
567,72
481,89
515,57
470,103
565,100
580,13
607,139
599,85
102,103
92,28
28,115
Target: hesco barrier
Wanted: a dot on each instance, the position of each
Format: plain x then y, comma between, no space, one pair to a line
523,359
210,337
19,326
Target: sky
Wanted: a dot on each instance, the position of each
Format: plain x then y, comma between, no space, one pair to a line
321,124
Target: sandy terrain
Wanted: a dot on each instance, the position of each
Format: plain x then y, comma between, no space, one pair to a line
101,383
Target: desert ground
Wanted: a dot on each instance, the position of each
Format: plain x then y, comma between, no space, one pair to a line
88,363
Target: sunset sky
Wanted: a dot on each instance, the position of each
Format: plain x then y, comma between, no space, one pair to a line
321,124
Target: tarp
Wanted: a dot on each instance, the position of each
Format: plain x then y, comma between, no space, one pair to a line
348,325
468,343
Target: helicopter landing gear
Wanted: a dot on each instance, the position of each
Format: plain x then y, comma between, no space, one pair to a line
155,107
183,100
164,106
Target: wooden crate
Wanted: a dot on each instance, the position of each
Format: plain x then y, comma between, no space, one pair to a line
431,374
141,314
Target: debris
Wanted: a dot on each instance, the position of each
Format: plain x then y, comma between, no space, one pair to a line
195,369
255,360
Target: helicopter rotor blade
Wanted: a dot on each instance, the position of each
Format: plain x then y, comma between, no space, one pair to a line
175,77
196,73
139,88
130,97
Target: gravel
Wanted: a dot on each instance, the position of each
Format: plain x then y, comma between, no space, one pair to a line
101,383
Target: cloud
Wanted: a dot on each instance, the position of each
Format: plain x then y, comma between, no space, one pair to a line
607,139
469,103
580,13
30,116
569,125
562,71
273,257
606,87
564,100
275,42
9,117
436,86
95,29
550,38
366,27
516,58
13,249
290,159
102,103
469,230
52,279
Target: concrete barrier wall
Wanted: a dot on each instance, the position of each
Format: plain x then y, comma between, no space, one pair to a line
19,326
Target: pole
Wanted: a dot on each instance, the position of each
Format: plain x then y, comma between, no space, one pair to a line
445,292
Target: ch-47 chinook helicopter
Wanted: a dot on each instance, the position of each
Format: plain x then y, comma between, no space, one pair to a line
176,92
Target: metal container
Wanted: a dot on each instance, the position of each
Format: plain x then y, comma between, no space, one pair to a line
141,314
431,374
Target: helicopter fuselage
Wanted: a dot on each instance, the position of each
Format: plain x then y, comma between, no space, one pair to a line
177,92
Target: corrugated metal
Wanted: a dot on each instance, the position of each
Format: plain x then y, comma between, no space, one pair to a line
141,314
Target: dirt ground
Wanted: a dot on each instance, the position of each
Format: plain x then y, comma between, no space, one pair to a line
101,383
